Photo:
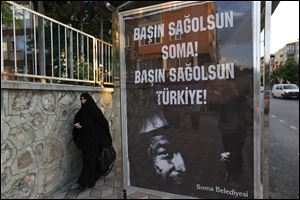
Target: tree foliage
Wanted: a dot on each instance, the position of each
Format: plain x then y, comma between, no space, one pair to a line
83,15
7,15
287,73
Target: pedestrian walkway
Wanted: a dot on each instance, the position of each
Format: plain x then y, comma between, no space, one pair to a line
103,189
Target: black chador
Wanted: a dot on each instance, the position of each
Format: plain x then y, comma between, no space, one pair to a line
90,139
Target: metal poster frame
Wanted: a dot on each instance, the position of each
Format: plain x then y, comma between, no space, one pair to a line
266,100
257,130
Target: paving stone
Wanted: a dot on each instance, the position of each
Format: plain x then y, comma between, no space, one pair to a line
110,182
85,193
172,197
113,196
106,190
96,193
69,198
103,188
151,196
99,182
60,195
89,197
72,194
66,188
112,174
129,192
74,186
137,195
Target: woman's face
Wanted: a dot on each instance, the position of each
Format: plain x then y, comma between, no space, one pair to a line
82,100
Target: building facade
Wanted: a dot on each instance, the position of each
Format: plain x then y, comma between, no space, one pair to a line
290,50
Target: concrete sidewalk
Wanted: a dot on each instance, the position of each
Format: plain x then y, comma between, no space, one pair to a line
104,189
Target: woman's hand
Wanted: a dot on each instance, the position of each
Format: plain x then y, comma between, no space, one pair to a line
77,125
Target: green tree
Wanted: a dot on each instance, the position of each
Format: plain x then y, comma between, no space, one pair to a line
7,15
86,16
6,12
287,73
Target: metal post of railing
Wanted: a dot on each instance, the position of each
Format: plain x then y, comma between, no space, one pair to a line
108,63
51,32
71,54
2,58
102,62
94,59
59,57
82,54
66,52
44,46
34,37
15,41
99,61
25,43
111,64
77,57
31,47
88,59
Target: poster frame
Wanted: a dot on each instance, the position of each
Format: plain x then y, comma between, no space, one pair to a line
257,128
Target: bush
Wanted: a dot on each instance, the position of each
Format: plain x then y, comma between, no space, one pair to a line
287,73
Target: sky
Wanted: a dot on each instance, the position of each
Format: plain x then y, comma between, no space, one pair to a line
284,24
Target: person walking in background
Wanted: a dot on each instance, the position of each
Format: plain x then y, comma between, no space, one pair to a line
91,134
234,123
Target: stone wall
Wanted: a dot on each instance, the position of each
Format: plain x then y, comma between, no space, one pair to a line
38,155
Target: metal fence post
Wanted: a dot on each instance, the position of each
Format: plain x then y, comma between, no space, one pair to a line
15,40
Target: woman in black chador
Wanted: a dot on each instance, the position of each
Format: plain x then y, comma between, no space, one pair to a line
91,134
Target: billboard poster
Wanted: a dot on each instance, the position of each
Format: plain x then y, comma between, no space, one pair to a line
189,99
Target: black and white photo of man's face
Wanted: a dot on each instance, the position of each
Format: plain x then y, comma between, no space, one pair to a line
167,162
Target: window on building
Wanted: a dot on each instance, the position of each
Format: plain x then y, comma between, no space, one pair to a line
19,43
290,49
150,41
156,22
177,37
